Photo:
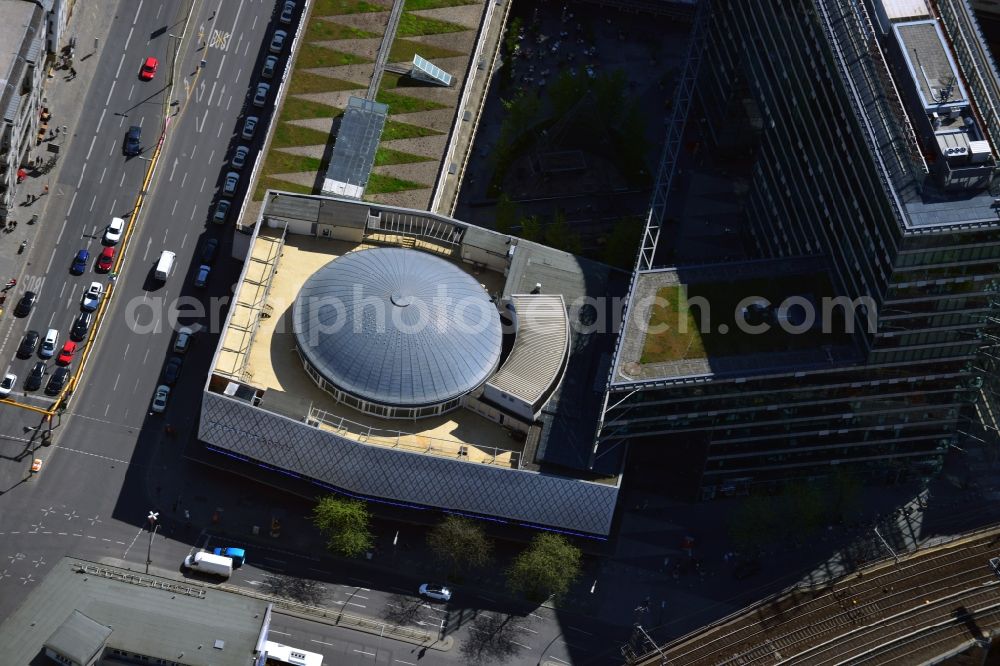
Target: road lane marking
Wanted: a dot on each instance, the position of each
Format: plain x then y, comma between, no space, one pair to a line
211,93
370,654
103,171
126,351
172,170
211,157
351,603
94,201
130,31
203,181
271,559
321,642
174,209
136,18
529,630
580,630
121,62
82,172
93,455
122,182
526,647
131,91
557,659
408,663
275,631
115,387
71,202
110,91
487,599
145,357
89,150
222,124
99,121
538,616
194,150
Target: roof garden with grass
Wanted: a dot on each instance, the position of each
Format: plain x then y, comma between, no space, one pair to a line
758,316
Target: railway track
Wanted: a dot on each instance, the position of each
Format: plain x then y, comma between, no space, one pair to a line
920,590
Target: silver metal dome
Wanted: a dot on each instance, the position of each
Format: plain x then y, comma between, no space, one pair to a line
397,327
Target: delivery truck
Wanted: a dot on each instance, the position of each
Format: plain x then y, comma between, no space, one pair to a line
165,265
209,563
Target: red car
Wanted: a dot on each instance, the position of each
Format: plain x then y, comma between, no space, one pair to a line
106,259
66,355
148,70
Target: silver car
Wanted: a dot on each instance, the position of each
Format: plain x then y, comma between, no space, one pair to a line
249,127
230,184
160,399
270,64
287,11
278,41
239,157
260,96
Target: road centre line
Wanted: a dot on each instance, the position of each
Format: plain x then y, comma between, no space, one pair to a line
526,647
120,63
89,150
99,121
130,31
321,642
370,654
110,91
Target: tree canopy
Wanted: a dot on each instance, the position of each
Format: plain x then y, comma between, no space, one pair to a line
546,568
344,523
460,542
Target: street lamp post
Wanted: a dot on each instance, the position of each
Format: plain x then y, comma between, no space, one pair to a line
154,525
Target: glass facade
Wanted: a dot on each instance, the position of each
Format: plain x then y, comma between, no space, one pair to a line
802,93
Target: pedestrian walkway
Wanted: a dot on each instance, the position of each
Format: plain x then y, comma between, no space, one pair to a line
39,195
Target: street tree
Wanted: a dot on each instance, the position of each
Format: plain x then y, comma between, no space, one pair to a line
344,523
546,568
460,542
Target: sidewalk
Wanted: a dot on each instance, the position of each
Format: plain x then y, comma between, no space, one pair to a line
40,202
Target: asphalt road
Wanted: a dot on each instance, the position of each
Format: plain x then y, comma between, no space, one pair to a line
108,426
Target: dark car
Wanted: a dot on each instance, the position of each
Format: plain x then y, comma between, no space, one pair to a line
34,380
79,262
23,307
28,343
57,381
132,147
746,569
172,370
81,326
209,250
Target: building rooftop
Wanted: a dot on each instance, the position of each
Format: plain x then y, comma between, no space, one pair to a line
540,348
397,327
931,65
15,25
354,151
261,353
687,322
79,638
150,615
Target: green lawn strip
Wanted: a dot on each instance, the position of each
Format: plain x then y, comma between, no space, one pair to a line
413,25
325,31
328,7
382,184
673,331
315,55
306,82
405,104
414,5
297,109
282,162
287,135
403,50
396,130
270,182
386,156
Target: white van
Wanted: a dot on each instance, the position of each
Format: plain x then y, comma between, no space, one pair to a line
165,266
48,347
209,563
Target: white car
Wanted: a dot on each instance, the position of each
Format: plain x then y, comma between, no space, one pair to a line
435,591
8,383
113,233
160,399
92,297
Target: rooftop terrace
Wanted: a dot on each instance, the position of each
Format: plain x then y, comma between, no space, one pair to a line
267,360
765,314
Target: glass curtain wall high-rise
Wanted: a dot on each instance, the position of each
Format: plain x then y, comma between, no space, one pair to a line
884,169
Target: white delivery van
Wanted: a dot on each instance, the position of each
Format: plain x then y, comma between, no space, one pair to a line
165,266
207,563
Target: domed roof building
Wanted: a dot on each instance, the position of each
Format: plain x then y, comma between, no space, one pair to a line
395,332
